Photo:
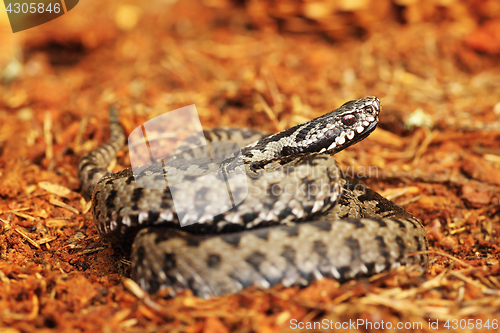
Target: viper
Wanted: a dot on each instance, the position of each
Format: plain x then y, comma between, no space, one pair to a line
294,216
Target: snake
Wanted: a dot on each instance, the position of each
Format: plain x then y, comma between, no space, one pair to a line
295,218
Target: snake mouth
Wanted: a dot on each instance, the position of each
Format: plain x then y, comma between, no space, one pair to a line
348,138
367,131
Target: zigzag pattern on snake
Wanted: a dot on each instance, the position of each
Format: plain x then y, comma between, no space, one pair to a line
322,225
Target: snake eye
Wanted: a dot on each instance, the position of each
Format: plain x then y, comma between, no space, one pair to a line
348,119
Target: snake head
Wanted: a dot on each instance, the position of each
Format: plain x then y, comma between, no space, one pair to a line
336,130
349,124
330,133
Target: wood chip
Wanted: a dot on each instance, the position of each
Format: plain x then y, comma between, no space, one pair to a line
57,189
86,207
15,210
59,223
134,288
24,216
63,205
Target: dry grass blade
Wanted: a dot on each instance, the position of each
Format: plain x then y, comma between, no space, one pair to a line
31,241
442,254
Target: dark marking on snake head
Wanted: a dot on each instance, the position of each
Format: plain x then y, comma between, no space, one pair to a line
305,130
287,151
213,261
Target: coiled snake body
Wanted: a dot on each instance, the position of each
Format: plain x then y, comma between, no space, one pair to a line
339,230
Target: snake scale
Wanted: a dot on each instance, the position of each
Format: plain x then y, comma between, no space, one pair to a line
324,225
